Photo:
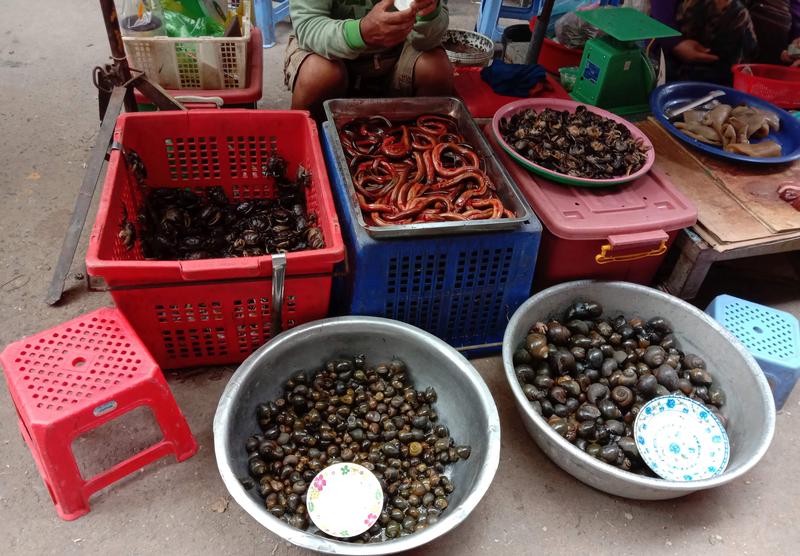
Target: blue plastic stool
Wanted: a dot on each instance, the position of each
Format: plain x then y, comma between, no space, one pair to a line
771,336
267,16
492,10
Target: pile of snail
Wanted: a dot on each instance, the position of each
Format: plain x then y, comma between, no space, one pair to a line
349,412
590,375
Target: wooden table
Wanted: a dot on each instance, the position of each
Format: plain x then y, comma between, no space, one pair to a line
739,212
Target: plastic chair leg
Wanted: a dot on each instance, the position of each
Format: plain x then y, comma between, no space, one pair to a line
265,21
65,482
487,19
173,424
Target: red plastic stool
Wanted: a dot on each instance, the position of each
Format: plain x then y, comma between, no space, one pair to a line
75,377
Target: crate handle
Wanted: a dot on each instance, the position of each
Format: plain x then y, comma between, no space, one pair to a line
278,282
197,99
244,267
633,241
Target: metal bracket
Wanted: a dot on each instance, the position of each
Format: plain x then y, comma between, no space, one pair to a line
96,284
278,283
93,171
115,89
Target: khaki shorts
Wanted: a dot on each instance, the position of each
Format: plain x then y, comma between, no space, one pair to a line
370,73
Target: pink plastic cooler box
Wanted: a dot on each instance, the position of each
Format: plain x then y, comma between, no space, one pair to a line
612,233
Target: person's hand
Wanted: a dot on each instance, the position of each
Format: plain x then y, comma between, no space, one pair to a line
424,8
691,51
786,59
383,28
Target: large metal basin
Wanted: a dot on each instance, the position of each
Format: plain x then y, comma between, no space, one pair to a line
750,409
465,406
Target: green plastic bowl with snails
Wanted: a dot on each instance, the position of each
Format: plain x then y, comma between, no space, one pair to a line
464,405
750,411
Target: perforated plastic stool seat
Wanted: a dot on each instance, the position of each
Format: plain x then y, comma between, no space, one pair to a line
75,377
771,336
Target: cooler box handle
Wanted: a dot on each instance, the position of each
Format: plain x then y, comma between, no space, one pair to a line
649,244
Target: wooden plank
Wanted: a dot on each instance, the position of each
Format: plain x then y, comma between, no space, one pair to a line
777,241
723,247
717,210
755,187
707,236
694,262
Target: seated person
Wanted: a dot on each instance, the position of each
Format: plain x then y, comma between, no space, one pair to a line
716,34
364,47
795,36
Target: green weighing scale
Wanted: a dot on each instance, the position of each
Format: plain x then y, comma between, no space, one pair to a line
614,73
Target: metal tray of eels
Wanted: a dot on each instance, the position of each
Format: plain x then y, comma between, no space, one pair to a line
341,111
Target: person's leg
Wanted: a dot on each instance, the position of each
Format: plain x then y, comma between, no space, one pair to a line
422,73
433,74
318,79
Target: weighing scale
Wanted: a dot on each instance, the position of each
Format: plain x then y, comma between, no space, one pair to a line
614,73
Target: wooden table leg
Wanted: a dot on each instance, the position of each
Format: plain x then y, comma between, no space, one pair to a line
696,257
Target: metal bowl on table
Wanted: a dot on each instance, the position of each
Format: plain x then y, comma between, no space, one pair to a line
464,405
468,48
750,409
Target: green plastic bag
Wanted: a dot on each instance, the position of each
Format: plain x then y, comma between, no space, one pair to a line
180,25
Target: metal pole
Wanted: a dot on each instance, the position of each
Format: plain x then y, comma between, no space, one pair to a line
94,170
537,37
111,21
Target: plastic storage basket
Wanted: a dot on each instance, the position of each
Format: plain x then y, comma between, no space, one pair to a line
245,97
771,336
461,288
611,233
776,84
215,311
196,62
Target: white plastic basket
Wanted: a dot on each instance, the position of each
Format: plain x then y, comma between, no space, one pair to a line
196,62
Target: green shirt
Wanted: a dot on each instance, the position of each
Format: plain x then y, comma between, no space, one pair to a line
331,29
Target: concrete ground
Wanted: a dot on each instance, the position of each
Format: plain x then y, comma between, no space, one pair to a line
48,122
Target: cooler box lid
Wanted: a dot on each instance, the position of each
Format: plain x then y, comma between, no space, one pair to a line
649,204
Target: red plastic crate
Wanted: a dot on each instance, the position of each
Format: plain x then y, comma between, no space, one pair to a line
215,311
779,85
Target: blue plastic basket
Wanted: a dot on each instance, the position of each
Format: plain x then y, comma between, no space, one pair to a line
461,288
771,336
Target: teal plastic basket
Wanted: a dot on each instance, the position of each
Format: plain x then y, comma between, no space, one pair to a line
771,336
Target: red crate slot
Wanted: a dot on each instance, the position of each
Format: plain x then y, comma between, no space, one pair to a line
214,311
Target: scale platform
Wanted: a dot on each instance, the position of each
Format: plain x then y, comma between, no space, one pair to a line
614,73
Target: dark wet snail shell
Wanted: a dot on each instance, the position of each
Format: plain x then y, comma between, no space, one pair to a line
622,396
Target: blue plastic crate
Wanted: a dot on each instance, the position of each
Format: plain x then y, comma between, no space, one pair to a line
771,336
461,288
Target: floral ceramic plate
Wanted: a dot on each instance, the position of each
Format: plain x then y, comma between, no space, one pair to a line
344,500
681,439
